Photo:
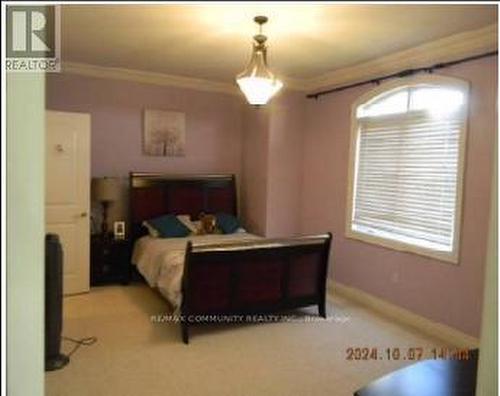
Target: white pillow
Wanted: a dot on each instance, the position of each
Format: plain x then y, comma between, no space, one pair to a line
151,230
197,224
191,225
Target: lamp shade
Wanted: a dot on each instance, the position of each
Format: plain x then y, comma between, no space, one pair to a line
106,189
257,90
256,81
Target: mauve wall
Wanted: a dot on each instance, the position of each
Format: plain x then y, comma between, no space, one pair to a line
272,166
213,126
284,184
254,169
446,293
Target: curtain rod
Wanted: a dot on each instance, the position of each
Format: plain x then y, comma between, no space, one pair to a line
403,73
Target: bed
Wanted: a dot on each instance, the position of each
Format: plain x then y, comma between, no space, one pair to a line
220,275
161,261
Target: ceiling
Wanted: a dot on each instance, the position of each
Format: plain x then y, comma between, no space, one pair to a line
213,42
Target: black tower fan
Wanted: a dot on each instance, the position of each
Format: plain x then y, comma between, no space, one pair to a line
54,359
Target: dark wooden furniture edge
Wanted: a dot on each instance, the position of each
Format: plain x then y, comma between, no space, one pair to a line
144,180
433,377
235,252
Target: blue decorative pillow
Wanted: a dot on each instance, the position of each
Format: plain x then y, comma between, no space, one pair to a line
169,226
227,223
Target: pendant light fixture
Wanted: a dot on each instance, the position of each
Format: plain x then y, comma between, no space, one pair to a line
256,81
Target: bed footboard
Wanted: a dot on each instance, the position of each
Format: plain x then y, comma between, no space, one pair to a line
258,277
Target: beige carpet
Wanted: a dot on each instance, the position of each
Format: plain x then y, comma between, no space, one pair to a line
134,356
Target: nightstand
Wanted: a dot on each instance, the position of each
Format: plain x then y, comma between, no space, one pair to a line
109,261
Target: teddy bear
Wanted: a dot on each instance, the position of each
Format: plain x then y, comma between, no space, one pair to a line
208,224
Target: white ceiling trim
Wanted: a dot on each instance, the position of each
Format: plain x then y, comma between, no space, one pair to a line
118,73
140,76
449,48
446,49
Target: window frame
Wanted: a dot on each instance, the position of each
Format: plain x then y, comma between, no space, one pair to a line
373,95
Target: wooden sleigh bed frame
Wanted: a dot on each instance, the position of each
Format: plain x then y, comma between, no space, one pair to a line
234,279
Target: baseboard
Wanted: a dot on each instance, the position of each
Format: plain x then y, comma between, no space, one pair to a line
426,326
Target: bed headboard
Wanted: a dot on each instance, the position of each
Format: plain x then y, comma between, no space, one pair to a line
155,194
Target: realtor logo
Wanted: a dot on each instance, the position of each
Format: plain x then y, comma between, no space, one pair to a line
33,39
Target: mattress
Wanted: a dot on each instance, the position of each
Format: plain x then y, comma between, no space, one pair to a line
161,260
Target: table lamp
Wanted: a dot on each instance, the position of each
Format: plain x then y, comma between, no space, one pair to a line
105,190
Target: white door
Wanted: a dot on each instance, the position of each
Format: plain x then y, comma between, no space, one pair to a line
67,193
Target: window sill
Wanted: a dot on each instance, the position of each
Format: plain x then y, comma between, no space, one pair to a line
451,258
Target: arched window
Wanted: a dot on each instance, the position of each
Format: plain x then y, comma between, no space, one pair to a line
407,154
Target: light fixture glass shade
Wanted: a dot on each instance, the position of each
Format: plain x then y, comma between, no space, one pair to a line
256,81
258,90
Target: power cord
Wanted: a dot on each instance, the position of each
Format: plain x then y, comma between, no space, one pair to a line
87,341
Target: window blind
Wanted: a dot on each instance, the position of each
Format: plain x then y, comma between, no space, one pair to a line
406,176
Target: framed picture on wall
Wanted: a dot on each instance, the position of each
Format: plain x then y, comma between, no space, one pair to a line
164,133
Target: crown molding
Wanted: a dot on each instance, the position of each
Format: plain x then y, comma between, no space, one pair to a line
450,48
294,84
140,76
446,49
117,73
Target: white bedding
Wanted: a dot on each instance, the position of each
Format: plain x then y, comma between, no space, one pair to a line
161,260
